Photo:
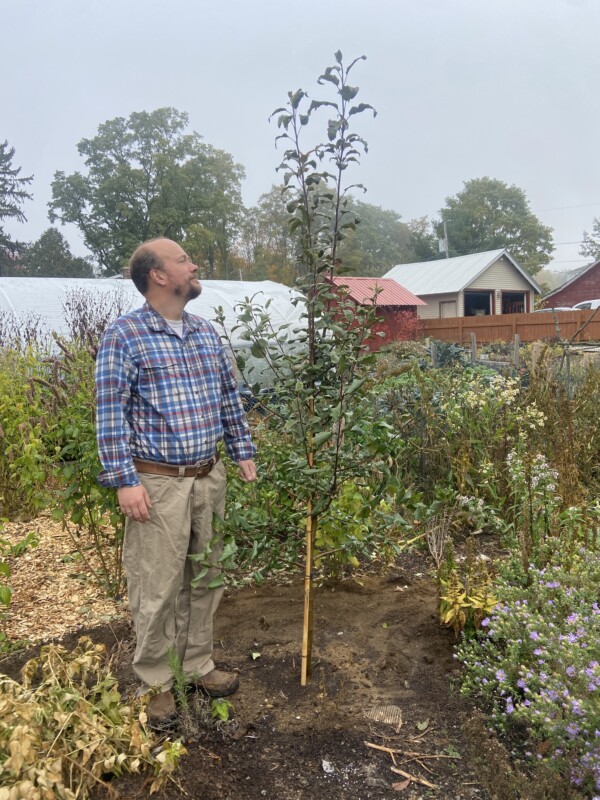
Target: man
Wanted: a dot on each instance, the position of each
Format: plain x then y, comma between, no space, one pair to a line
166,395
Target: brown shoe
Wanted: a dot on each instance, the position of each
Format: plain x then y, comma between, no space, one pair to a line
217,683
161,711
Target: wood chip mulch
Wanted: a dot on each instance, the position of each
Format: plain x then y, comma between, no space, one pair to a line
54,590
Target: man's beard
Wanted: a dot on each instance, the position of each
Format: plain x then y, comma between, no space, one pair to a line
194,290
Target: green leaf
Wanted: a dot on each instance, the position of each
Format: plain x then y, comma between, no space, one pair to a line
5,595
320,438
360,108
217,582
349,92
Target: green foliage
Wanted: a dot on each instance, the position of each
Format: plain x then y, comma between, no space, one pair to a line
536,666
24,458
221,709
12,196
147,177
489,214
216,560
50,256
266,245
82,501
380,241
590,247
64,729
320,368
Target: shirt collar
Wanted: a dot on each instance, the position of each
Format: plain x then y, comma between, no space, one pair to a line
157,323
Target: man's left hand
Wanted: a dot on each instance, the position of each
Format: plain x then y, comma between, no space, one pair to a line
247,470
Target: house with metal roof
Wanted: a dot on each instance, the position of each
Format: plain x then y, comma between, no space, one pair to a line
479,284
396,307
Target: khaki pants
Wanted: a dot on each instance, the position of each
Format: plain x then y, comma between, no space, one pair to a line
167,611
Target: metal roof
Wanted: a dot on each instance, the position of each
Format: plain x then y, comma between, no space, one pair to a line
448,275
389,292
578,274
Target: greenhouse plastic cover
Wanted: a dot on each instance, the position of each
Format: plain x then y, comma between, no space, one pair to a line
45,297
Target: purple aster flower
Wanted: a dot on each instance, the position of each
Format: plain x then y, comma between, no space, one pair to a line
534,635
571,671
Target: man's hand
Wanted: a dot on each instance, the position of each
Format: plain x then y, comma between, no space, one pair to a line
135,502
247,470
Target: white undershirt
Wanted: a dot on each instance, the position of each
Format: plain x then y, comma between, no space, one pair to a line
176,325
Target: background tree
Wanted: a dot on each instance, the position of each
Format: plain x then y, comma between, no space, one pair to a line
266,246
147,177
12,196
51,256
423,240
591,242
269,250
489,214
380,241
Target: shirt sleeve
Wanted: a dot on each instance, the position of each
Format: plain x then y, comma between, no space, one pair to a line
236,431
115,373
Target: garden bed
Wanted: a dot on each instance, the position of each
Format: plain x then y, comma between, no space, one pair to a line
379,652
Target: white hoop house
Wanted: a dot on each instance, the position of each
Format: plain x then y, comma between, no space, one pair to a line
44,298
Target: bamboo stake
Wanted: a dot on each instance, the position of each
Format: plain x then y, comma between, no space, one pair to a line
307,631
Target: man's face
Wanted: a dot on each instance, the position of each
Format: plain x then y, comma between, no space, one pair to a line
178,271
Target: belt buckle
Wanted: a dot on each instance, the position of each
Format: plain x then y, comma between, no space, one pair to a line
204,465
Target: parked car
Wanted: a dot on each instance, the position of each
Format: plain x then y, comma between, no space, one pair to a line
556,308
587,304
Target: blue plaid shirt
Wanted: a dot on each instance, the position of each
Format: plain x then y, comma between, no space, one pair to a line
164,398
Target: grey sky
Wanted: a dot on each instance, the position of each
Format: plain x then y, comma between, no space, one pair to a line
463,89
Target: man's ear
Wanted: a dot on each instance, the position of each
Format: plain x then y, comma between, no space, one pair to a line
158,276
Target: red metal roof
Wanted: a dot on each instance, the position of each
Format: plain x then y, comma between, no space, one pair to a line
389,291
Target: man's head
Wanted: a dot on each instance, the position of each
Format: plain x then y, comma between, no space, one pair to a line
161,266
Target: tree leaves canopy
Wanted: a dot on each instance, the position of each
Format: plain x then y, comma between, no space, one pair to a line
13,195
590,247
147,177
50,256
489,214
380,241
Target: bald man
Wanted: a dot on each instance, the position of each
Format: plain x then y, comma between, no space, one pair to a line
166,396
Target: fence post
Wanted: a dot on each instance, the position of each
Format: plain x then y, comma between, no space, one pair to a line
434,354
473,347
516,350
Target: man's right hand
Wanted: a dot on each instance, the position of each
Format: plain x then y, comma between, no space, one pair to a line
135,502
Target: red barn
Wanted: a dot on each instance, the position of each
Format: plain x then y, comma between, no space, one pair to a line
396,307
585,285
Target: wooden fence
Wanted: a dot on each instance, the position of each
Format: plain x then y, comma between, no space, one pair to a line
503,327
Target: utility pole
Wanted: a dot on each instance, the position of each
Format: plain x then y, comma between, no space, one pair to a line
446,239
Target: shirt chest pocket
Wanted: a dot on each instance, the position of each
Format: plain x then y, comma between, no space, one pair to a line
205,364
160,378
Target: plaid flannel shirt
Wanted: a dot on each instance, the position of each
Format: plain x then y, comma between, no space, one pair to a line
164,398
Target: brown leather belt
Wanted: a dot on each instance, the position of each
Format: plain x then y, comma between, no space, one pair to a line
199,470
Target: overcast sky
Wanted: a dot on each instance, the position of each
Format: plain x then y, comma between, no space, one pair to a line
463,89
